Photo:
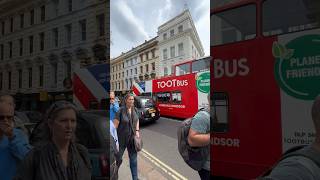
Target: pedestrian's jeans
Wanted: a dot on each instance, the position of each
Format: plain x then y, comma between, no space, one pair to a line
133,160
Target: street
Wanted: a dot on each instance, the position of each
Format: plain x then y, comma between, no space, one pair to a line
160,156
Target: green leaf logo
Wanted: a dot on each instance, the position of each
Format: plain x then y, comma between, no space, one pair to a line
280,51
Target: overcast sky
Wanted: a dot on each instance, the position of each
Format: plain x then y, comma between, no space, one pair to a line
134,21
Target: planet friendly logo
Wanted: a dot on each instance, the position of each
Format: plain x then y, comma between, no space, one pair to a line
203,82
297,67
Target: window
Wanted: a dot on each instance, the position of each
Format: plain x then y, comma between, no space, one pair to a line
11,24
220,112
141,69
41,75
131,62
127,72
141,57
41,35
135,70
233,25
119,75
176,97
147,67
9,80
1,52
163,97
43,13
101,25
1,78
147,55
180,49
153,54
32,17
298,15
165,36
55,73
153,66
113,77
21,47
165,55
56,7
165,71
30,77
172,33
3,26
116,76
68,33
69,5
123,74
172,51
83,29
31,44
10,49
201,65
21,21
130,71
68,69
180,29
20,78
55,37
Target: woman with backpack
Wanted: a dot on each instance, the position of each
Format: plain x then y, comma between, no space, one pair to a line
58,157
127,123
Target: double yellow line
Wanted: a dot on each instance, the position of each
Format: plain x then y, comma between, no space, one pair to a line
171,172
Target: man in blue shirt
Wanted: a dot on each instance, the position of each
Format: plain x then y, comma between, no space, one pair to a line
114,106
13,142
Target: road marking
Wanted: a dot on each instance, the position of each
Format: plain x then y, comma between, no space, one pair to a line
171,172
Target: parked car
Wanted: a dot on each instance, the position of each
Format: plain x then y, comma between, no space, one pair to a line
148,112
92,132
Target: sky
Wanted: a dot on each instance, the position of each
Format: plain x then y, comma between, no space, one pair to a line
134,21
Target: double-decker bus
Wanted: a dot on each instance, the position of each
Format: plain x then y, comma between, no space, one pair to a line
183,93
266,73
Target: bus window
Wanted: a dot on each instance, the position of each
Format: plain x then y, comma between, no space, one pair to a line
183,69
220,112
163,97
176,97
233,25
201,65
297,15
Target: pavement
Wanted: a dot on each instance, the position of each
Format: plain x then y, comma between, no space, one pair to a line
146,170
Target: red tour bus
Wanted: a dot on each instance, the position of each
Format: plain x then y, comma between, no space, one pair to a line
266,73
182,96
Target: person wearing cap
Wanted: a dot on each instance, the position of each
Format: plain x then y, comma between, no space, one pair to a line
58,156
14,143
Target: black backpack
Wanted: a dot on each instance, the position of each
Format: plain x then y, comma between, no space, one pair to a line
296,151
195,157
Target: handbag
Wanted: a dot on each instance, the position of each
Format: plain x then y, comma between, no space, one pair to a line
138,144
